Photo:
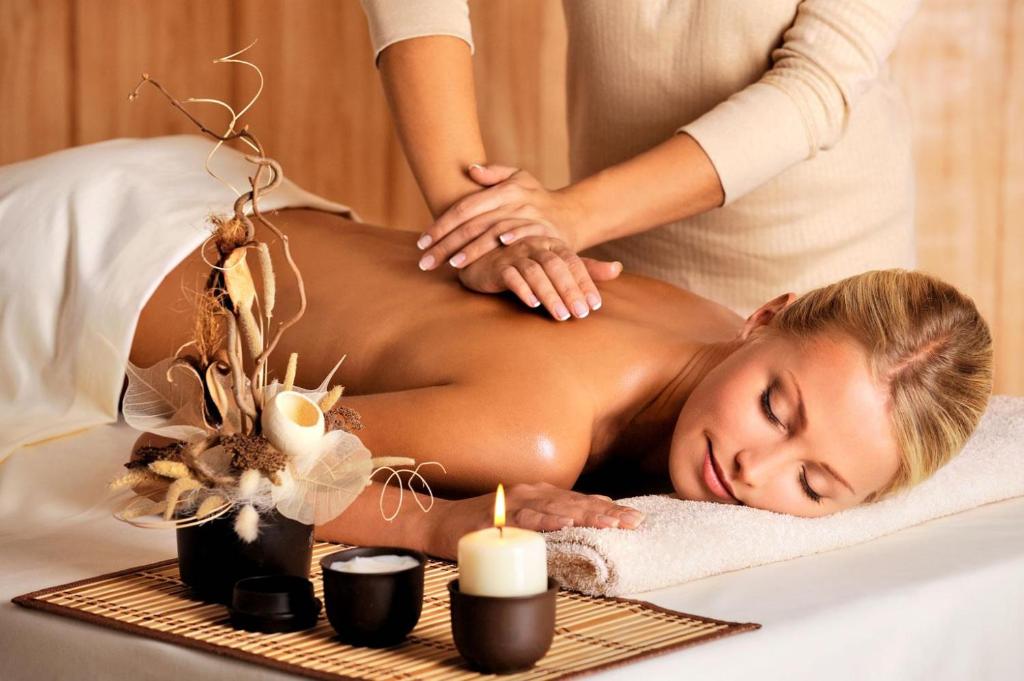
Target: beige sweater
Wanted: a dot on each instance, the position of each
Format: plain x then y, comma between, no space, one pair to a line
791,100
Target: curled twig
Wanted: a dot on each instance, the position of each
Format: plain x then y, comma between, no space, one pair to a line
395,474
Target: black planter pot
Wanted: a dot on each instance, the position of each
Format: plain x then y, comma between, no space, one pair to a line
211,557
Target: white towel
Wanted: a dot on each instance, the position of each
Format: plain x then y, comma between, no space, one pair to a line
685,540
88,233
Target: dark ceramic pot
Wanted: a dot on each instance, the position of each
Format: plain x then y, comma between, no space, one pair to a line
503,635
211,557
373,609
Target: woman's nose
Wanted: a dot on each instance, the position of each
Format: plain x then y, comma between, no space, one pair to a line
756,466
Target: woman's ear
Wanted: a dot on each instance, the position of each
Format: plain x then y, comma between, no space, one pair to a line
764,314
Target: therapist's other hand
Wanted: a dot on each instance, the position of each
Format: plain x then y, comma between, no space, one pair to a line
512,205
542,270
533,506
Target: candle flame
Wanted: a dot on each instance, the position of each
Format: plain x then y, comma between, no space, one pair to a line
499,507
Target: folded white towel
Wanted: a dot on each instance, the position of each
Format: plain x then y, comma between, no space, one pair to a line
684,540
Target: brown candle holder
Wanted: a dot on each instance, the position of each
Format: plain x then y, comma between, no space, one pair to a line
499,635
373,609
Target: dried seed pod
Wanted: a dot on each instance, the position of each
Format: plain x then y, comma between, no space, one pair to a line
174,492
289,374
209,505
170,469
250,332
133,477
248,483
247,524
328,400
238,280
269,283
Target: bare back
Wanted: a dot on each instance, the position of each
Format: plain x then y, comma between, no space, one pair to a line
407,333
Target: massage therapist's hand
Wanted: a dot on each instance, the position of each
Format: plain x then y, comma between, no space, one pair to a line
542,270
513,204
534,506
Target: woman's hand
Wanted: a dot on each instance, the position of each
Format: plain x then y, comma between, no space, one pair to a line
544,270
513,205
536,506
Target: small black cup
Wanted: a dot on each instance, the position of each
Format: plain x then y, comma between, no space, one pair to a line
274,603
373,609
498,635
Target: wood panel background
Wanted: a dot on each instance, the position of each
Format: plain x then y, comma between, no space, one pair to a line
66,67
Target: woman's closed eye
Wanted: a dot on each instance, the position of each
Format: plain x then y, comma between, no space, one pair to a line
808,490
766,406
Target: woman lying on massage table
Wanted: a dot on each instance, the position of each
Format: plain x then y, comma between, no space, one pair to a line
810,406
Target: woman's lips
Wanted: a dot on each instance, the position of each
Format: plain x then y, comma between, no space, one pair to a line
713,477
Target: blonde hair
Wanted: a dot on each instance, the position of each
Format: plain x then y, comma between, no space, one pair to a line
926,341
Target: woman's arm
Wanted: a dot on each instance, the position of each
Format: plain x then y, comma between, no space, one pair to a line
538,506
828,58
429,86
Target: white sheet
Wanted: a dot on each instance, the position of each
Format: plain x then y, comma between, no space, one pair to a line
942,600
88,233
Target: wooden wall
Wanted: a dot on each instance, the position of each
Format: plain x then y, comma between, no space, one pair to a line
66,67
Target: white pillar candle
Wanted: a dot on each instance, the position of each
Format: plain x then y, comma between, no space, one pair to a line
502,561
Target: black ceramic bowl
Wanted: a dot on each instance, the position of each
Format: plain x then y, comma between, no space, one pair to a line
274,603
373,609
503,635
211,557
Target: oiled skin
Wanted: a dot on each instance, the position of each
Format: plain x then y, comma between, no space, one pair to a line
491,389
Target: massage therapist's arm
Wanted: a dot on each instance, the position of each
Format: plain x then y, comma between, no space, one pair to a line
429,86
829,58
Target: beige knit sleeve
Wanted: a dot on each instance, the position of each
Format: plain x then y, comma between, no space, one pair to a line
829,57
393,20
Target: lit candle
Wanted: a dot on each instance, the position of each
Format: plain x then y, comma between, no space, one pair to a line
502,561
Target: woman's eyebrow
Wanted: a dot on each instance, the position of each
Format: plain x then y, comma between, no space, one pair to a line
803,423
837,477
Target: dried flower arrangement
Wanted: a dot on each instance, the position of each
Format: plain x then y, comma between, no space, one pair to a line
239,442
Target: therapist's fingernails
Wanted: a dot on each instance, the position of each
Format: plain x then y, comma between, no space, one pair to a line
427,262
424,241
457,259
534,302
561,312
580,308
507,238
594,300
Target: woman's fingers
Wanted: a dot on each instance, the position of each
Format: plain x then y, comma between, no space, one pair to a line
489,174
594,511
582,277
461,211
447,247
515,283
560,275
602,270
541,285
531,519
486,238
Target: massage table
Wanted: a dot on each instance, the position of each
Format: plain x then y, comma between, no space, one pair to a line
942,600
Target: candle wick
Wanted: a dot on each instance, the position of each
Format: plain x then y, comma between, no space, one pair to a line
501,531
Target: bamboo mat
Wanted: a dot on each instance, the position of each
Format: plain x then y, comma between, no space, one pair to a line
590,633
